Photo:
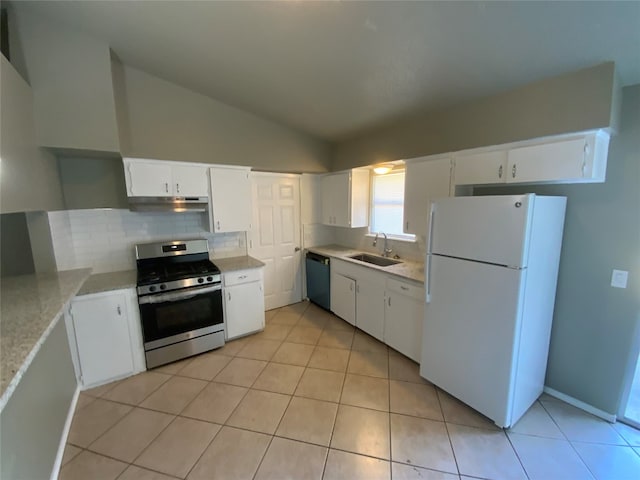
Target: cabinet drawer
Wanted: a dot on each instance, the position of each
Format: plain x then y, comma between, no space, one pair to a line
242,276
404,288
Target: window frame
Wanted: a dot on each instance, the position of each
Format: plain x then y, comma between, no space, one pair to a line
402,237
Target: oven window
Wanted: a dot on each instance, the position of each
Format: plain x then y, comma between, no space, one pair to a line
163,320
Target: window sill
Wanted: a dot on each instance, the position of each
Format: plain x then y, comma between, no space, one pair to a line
395,238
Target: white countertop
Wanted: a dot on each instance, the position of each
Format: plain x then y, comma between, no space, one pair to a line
31,307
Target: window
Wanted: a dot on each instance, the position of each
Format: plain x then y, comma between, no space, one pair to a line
387,204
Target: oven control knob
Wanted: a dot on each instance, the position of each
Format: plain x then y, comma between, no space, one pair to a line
209,279
163,287
152,289
201,280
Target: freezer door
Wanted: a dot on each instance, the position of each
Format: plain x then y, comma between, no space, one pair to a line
491,229
470,334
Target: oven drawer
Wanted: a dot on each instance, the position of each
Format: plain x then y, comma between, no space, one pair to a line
242,276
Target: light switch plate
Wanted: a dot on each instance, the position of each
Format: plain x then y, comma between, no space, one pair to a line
619,278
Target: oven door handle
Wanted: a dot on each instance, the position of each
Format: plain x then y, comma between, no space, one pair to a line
175,296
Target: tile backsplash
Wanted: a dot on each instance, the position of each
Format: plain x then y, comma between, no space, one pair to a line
104,239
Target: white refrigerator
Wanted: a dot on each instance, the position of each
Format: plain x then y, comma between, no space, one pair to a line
491,274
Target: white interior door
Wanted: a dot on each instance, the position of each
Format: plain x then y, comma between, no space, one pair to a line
275,236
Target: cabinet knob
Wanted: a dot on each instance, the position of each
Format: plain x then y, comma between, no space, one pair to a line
297,249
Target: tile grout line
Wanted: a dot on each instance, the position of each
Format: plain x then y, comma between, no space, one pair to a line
266,450
335,420
567,439
446,427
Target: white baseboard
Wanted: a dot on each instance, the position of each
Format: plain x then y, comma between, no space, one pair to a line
55,471
609,417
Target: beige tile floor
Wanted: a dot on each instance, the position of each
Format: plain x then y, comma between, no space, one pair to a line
312,397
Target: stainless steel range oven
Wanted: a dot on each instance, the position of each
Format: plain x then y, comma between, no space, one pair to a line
180,300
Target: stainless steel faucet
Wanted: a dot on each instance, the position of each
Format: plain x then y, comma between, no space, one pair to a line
386,251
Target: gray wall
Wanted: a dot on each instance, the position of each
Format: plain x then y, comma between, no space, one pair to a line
29,179
70,75
33,419
576,101
15,249
93,183
594,325
158,119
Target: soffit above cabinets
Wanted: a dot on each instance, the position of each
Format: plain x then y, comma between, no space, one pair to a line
334,69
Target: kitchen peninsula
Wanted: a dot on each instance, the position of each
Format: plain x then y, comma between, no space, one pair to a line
38,380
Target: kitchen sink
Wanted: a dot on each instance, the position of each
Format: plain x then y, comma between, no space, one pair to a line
375,260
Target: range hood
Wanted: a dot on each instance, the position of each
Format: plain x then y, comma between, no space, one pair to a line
168,204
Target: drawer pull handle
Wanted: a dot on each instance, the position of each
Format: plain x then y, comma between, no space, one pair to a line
242,277
403,287
119,310
500,172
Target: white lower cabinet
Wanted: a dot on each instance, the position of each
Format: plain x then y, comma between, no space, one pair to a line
383,306
343,296
105,336
403,317
370,303
243,302
357,296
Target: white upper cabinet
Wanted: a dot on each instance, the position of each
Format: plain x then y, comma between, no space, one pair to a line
156,178
579,158
190,181
345,198
146,179
573,160
481,168
230,208
425,178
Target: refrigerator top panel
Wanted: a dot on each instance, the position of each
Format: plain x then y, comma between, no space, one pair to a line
491,229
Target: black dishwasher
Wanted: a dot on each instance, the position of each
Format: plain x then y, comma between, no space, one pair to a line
318,279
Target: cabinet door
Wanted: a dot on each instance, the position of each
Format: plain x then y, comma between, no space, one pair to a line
423,181
147,179
244,309
370,304
341,198
336,203
551,162
481,168
102,337
189,181
326,189
230,200
343,297
403,324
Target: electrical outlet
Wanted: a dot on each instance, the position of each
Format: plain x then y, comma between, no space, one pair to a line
619,278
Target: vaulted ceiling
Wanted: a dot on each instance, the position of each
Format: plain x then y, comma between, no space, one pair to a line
334,69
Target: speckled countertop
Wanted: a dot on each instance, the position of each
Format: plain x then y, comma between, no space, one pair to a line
104,282
31,307
232,264
408,269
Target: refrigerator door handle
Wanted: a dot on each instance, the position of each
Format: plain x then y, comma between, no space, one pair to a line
427,267
427,271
